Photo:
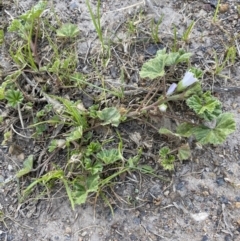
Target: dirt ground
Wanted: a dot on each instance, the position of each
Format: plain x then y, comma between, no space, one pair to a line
201,202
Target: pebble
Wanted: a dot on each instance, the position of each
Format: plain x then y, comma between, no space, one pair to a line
220,181
224,200
223,8
199,216
237,204
166,193
73,6
10,167
68,230
213,3
205,238
228,238
180,185
84,234
133,237
205,193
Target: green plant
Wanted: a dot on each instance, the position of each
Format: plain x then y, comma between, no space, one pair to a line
154,29
15,98
187,33
68,30
96,22
216,11
27,25
228,59
1,36
65,124
206,107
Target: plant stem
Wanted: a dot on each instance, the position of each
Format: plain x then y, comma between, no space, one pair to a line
20,116
157,103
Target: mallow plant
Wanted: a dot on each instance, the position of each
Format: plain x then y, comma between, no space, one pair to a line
212,125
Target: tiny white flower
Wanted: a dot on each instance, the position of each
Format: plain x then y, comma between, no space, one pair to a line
171,89
162,107
187,80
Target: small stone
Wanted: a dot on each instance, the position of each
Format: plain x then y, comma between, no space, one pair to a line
234,105
223,8
180,185
224,200
84,234
228,238
10,167
205,193
205,238
68,230
73,6
166,193
199,216
220,181
237,204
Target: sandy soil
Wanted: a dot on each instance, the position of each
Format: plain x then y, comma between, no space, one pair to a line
202,200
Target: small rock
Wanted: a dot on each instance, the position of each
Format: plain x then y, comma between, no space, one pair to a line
73,6
205,193
166,193
180,185
84,234
213,3
237,204
228,238
220,181
238,222
199,216
234,105
68,230
223,8
133,237
10,167
205,238
224,200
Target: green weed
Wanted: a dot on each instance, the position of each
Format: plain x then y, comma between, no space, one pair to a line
97,22
154,29
187,33
216,11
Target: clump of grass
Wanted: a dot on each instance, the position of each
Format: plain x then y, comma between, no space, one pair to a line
216,11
